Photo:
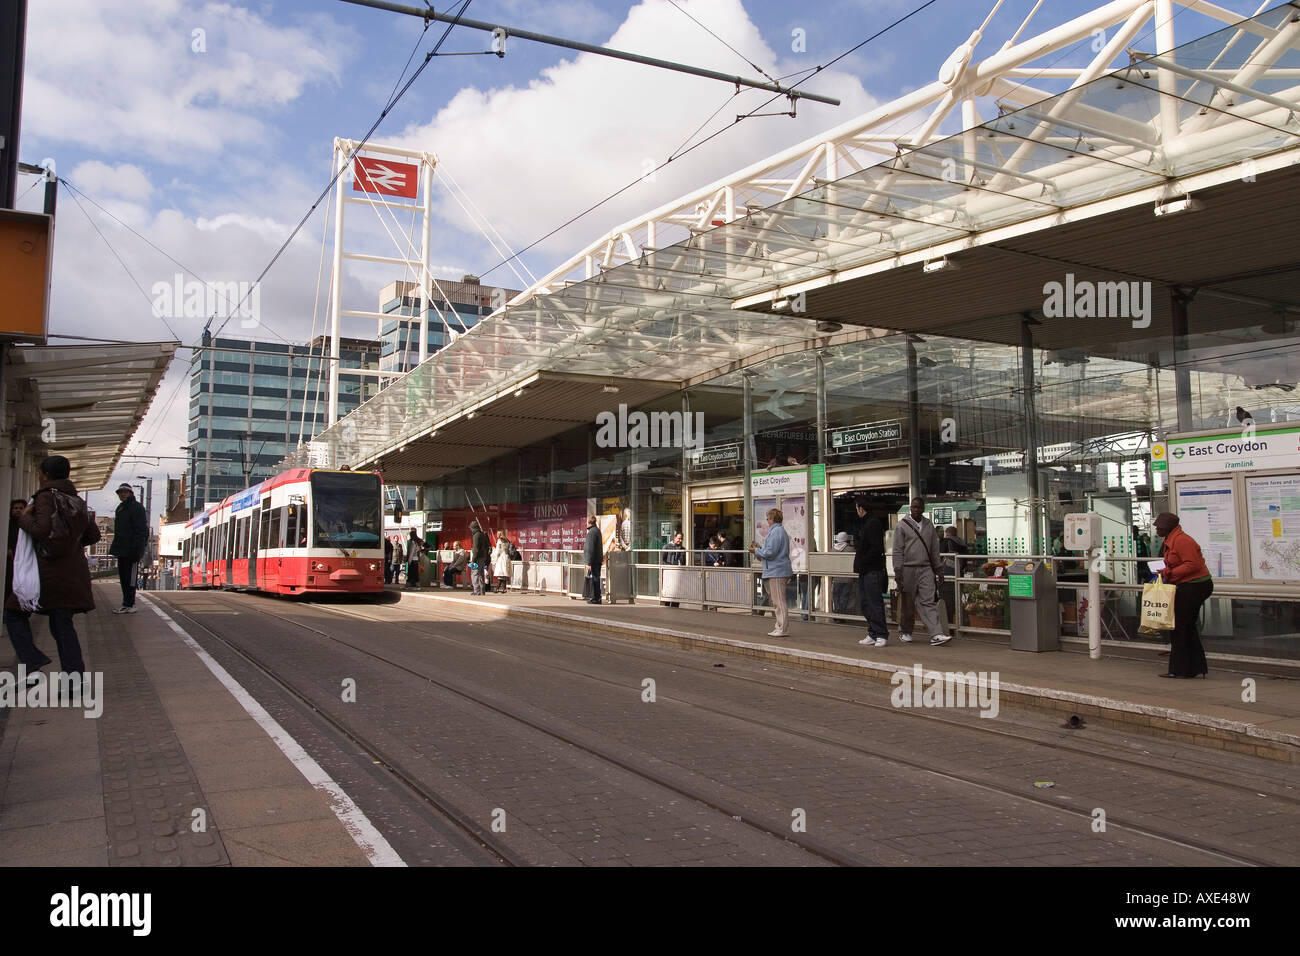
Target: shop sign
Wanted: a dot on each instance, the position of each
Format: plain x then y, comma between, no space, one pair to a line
872,433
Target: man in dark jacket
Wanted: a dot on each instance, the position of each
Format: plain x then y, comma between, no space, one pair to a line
17,621
873,579
130,539
60,528
593,556
674,552
480,553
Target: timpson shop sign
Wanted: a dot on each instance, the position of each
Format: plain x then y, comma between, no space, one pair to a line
1233,451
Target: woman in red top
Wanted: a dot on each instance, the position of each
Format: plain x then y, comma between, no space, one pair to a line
1185,568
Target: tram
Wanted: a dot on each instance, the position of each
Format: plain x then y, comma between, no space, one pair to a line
305,531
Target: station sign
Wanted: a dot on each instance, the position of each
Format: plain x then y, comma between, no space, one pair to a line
776,484
871,433
385,177
719,456
1243,450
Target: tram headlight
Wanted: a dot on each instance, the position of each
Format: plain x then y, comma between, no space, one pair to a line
373,566
320,566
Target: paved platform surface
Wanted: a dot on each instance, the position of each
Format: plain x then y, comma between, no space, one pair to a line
174,771
1120,689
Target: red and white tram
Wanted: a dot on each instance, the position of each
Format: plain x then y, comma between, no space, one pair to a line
306,531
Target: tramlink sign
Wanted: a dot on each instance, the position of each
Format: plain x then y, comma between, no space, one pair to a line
873,433
1234,451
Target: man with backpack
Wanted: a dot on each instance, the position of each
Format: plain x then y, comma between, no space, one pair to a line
60,528
130,540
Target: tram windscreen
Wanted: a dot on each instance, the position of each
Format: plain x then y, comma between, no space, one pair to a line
346,510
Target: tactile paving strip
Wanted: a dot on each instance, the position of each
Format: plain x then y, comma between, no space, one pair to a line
150,790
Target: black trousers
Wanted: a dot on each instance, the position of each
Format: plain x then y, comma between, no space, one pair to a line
126,577
18,624
1186,656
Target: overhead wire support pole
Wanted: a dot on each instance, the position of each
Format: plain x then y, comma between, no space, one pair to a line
428,13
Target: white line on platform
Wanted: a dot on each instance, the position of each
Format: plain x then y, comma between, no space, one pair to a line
372,843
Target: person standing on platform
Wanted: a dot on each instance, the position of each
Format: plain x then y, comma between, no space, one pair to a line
674,553
414,547
918,570
873,579
775,555
1186,569
60,528
501,563
480,556
714,558
388,560
593,556
130,539
950,544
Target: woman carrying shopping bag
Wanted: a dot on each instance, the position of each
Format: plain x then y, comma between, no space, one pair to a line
1186,569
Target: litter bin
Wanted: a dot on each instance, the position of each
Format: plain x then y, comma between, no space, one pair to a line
1035,612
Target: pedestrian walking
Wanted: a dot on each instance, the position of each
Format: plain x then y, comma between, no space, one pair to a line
501,563
480,554
1184,568
775,555
17,621
414,548
130,539
674,554
873,579
593,556
60,529
919,573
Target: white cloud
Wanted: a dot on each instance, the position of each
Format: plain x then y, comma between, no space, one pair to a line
532,157
124,181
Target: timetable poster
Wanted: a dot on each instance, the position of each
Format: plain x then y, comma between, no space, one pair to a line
1207,511
794,518
1273,505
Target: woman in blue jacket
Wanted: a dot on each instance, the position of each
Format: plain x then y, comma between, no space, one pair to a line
775,553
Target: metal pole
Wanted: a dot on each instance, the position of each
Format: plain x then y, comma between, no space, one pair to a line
1179,299
913,425
1094,604
427,13
13,42
821,409
747,449
336,282
1031,433
426,285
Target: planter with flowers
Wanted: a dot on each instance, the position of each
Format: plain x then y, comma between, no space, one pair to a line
986,605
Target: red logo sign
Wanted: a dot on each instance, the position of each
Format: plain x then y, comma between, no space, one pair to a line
384,176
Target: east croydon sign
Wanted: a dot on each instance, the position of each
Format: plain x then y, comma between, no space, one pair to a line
1234,451
872,433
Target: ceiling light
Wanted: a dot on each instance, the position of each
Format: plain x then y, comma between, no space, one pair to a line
943,264
780,303
1175,206
610,389
471,414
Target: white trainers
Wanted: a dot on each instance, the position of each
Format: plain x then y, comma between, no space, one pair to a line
881,642
868,640
905,638
776,633
939,640
123,610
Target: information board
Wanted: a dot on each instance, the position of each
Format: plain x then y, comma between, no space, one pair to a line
1273,513
1207,511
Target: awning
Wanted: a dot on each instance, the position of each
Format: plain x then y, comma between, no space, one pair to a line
84,401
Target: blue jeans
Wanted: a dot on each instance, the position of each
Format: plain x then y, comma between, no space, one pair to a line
871,598
18,624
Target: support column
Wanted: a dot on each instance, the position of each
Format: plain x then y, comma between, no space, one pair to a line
688,527
747,450
336,281
913,425
1180,297
1030,411
821,409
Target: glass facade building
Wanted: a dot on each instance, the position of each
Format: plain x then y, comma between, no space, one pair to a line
457,308
252,403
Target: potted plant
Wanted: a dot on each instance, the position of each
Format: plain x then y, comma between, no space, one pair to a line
986,608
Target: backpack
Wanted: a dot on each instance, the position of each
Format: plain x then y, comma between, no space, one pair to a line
70,527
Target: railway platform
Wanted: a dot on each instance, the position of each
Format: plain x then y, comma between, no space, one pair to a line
1121,690
163,765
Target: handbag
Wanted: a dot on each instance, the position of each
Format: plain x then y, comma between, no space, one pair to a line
1157,606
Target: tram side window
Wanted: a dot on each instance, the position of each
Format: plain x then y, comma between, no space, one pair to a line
304,526
268,520
281,526
295,519
254,529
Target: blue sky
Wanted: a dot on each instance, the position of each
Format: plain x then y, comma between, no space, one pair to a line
214,154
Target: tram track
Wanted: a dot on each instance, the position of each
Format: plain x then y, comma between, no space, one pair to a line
466,616
777,830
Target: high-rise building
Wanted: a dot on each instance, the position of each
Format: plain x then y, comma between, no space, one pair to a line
252,402
461,304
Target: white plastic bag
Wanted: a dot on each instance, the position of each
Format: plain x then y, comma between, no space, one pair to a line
27,574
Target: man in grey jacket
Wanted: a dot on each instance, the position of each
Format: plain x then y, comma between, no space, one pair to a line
593,555
919,572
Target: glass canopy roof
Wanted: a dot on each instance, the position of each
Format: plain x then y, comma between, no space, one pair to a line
679,313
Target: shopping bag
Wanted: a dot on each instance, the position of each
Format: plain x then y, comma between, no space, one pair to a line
1158,606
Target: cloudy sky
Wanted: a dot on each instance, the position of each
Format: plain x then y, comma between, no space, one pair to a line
208,129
